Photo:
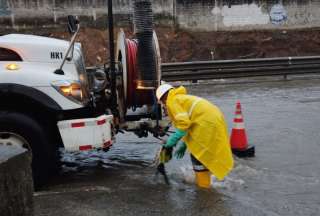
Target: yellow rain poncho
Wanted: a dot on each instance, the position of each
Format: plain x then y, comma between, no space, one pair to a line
207,135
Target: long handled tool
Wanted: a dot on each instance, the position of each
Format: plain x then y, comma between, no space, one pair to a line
164,156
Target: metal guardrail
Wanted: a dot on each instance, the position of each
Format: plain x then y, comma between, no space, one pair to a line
201,70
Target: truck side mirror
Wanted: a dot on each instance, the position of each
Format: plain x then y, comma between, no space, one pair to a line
73,27
72,24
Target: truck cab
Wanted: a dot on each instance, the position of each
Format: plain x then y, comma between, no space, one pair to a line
49,99
43,108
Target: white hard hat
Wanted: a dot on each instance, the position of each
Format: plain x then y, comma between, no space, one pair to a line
162,89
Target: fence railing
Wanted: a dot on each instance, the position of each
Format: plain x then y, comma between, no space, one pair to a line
201,70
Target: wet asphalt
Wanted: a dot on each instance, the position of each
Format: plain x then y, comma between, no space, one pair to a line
282,122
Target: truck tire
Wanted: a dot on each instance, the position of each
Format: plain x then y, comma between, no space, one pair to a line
20,129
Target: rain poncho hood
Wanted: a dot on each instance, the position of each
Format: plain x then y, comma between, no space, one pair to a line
207,135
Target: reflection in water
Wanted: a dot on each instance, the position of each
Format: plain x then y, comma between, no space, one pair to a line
120,155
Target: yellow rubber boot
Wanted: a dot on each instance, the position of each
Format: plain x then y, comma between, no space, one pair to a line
203,179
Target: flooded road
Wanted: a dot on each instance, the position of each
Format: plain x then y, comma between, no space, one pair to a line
282,121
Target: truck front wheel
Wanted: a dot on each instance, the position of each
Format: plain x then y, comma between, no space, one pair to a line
21,130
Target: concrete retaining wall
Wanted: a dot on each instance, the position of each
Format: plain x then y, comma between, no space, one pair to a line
248,15
16,185
208,15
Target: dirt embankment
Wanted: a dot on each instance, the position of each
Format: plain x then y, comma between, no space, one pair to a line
178,46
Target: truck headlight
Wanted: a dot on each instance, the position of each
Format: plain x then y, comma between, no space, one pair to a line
69,89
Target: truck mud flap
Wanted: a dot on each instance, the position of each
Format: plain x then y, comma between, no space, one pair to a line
86,134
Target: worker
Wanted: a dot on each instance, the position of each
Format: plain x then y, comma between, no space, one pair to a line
201,127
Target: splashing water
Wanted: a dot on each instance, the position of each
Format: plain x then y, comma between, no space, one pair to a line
232,182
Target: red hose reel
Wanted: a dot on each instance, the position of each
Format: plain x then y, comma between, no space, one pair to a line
132,95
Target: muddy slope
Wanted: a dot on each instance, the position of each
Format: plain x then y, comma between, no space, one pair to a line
177,46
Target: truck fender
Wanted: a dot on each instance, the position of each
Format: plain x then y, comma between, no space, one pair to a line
29,92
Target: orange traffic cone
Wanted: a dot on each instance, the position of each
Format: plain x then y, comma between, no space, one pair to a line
238,139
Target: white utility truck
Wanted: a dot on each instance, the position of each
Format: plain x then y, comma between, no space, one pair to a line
50,100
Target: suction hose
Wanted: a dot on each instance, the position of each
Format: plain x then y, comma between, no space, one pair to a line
147,77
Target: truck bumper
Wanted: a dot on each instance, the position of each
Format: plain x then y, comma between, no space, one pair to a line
86,133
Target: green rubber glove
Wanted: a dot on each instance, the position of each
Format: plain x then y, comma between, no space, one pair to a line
179,153
174,138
